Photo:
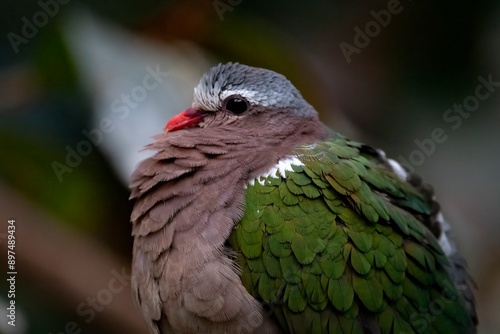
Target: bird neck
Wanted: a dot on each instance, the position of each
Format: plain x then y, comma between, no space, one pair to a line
191,192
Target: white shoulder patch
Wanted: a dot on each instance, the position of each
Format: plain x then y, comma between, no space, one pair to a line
445,244
444,241
382,153
280,168
398,169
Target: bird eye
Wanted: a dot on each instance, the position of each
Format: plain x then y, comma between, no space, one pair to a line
236,104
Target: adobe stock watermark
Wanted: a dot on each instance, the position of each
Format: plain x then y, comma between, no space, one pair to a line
120,108
452,117
93,304
221,6
426,315
371,29
31,26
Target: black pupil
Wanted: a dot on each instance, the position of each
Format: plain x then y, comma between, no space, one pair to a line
236,105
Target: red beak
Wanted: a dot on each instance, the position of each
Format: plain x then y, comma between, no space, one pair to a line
186,119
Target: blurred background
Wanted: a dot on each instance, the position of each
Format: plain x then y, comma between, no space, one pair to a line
84,84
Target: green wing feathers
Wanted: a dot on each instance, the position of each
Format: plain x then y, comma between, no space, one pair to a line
338,246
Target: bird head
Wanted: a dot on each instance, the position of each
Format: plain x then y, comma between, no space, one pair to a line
234,95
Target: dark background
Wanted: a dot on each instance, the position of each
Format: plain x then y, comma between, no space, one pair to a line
67,74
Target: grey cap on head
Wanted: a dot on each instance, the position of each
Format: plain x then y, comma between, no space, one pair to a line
261,87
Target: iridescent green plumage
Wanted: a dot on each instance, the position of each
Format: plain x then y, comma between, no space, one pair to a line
340,245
